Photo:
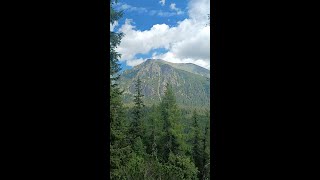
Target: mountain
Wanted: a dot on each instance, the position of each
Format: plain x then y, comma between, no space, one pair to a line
191,83
189,67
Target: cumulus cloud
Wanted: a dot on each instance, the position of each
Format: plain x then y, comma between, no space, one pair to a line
186,47
142,42
199,10
188,42
162,2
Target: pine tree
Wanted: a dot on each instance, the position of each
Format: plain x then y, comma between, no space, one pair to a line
136,166
153,131
196,144
170,115
119,147
115,39
137,129
206,149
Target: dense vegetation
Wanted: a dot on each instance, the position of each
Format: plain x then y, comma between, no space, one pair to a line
157,142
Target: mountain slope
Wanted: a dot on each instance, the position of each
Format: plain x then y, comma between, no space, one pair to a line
190,82
189,67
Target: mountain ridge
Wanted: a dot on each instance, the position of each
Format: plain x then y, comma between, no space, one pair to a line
189,67
190,82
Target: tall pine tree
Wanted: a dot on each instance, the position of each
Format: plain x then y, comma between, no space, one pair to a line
206,149
196,144
171,139
119,147
137,129
152,133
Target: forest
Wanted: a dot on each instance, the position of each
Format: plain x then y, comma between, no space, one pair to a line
162,141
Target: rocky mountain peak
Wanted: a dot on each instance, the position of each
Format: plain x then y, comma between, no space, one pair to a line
191,87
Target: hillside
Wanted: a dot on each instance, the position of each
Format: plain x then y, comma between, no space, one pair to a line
191,83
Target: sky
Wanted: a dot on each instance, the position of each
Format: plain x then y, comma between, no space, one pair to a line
176,31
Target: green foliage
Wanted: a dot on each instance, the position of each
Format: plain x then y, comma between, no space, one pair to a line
153,130
135,167
206,150
138,147
115,39
137,127
181,167
171,138
175,144
196,143
119,146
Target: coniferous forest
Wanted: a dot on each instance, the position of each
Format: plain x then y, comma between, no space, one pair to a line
158,141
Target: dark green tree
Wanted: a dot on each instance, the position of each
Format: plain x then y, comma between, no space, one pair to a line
174,162
136,165
119,147
180,167
170,116
137,126
206,149
196,143
153,131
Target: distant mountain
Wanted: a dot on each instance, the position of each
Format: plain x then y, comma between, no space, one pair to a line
189,67
190,82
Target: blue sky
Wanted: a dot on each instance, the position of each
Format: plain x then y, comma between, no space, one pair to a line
146,13
164,29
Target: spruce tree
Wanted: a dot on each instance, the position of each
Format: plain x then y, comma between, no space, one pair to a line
166,158
153,131
206,149
137,129
196,144
171,140
119,147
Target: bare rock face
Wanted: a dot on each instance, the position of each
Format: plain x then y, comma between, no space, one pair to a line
149,90
190,82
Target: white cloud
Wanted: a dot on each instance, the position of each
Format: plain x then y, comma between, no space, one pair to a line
162,2
134,62
165,14
200,40
135,41
112,26
129,8
171,57
199,10
173,7
188,42
161,13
